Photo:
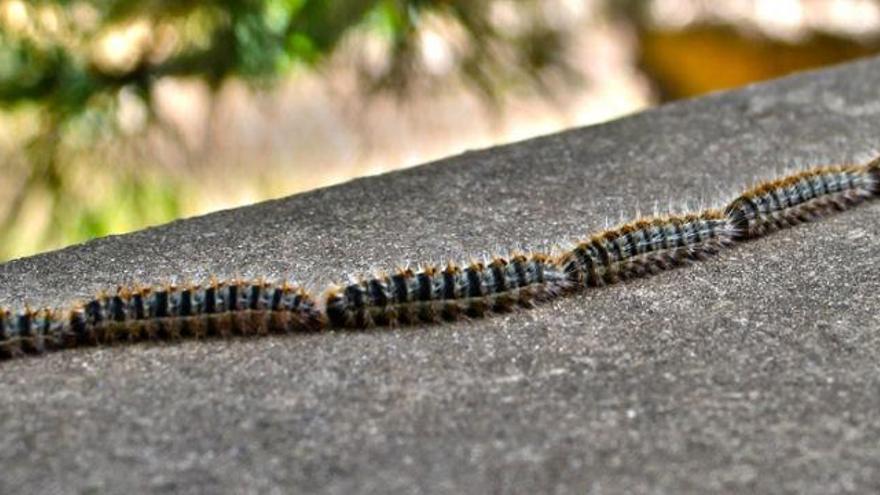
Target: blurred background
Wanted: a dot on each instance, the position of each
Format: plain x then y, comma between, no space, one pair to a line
119,114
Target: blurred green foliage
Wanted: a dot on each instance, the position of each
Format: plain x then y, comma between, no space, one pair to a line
68,61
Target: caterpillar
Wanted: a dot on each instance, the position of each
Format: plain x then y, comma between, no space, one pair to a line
801,197
646,246
164,313
431,293
434,293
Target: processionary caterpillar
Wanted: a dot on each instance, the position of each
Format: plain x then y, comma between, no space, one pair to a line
432,293
165,313
801,197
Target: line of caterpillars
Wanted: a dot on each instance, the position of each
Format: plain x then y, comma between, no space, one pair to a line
436,293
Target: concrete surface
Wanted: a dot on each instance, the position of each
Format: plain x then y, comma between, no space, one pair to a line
755,372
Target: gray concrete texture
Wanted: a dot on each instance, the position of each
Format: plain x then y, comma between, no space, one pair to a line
754,372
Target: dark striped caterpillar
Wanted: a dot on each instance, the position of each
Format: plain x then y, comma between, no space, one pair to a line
645,246
433,293
138,314
801,197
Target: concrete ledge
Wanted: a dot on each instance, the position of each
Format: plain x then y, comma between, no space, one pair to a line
755,371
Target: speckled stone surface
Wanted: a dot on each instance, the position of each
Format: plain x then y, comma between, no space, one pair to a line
754,372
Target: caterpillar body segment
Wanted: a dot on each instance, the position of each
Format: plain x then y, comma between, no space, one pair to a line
27,331
433,293
164,313
872,169
801,197
646,246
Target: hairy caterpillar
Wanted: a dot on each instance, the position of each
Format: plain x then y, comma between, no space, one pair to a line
433,293
801,197
218,309
645,246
